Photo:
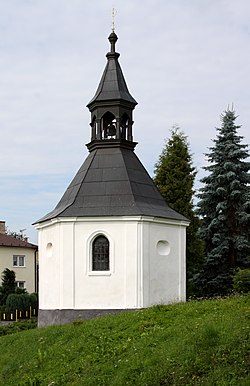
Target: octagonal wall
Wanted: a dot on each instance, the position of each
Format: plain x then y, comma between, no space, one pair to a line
147,263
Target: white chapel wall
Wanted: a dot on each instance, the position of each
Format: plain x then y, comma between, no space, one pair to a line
66,280
164,270
147,263
49,267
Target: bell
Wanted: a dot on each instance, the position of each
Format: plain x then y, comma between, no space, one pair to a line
111,130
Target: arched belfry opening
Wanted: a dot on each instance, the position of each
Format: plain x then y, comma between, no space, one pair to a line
126,127
111,127
93,127
112,242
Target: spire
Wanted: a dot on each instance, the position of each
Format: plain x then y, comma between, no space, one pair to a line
112,106
112,85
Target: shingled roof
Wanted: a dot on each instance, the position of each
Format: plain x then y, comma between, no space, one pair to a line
112,182
9,241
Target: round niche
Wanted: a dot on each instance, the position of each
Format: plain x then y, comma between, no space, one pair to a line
49,249
163,247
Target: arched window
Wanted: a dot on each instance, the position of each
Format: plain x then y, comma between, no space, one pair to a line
108,125
100,254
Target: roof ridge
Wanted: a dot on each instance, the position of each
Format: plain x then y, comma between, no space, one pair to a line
101,83
80,185
126,167
59,209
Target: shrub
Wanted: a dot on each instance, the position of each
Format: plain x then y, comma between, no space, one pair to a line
14,302
2,308
241,281
33,300
21,302
18,327
20,291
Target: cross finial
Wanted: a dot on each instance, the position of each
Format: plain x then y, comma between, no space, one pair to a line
114,13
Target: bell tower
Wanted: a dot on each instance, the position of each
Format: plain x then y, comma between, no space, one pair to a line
112,106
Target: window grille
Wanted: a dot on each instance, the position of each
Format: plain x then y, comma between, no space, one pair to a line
100,254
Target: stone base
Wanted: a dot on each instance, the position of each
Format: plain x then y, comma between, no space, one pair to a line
57,317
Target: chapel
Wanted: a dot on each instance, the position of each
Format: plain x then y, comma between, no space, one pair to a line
112,243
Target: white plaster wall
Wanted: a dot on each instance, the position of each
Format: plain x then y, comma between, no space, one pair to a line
113,289
49,267
139,276
67,265
164,274
65,277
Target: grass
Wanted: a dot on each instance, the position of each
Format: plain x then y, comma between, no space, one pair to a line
199,342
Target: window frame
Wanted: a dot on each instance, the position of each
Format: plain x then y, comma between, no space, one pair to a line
91,239
18,258
100,254
18,284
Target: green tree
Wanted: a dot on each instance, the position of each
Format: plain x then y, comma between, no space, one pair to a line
225,209
175,177
8,285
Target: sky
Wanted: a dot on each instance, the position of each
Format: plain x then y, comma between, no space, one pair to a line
184,61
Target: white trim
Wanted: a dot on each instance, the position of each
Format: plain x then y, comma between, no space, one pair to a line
139,265
158,220
74,266
99,273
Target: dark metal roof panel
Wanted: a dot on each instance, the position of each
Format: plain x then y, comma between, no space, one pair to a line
112,85
112,182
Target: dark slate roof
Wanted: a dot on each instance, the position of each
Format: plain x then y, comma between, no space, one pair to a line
112,85
9,241
112,182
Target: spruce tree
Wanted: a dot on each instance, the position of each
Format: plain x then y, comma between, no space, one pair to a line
225,209
8,284
175,177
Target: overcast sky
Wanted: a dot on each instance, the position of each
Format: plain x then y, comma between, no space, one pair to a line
184,62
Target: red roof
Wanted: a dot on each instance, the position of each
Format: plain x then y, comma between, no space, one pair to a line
9,241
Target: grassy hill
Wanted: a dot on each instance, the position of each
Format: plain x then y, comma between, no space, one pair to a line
195,343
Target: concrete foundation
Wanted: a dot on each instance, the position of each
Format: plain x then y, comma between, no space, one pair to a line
59,317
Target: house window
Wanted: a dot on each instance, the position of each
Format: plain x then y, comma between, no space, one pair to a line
20,284
18,261
100,254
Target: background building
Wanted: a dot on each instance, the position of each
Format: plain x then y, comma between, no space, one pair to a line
21,257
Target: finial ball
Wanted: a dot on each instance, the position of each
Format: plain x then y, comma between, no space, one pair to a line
113,39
